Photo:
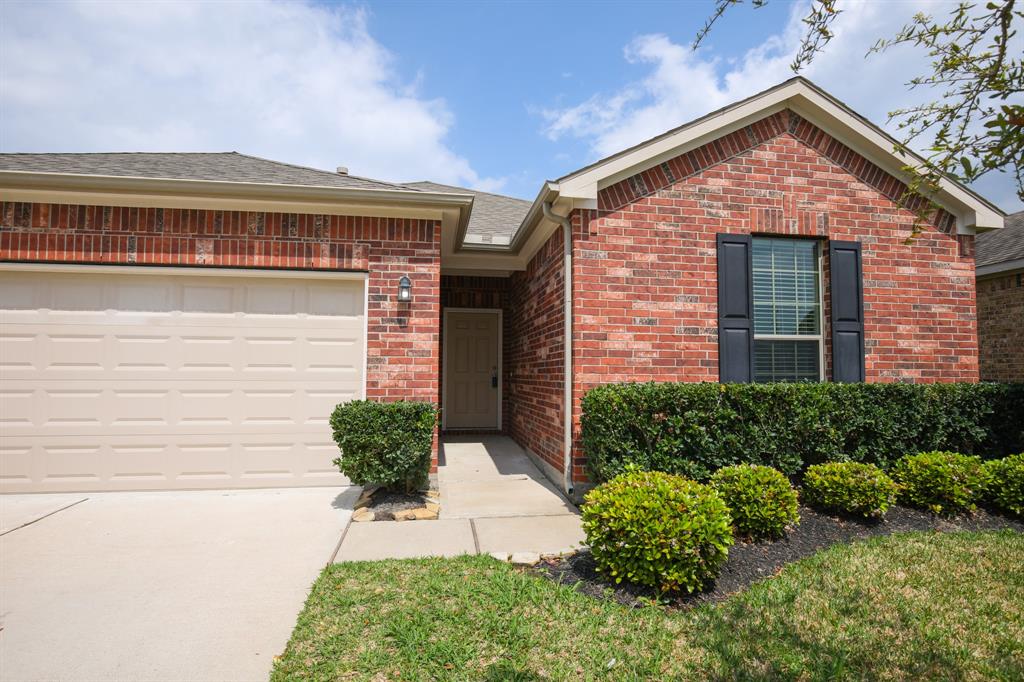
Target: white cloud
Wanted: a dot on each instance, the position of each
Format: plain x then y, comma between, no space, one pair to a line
681,84
289,81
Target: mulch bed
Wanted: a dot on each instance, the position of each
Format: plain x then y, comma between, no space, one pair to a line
385,503
751,561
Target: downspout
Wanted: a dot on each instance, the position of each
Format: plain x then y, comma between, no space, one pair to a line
567,302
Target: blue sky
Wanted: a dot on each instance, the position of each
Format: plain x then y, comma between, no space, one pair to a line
494,95
515,60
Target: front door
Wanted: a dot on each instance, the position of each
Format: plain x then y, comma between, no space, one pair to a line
472,391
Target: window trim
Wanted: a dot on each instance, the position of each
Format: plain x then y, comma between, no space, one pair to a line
820,336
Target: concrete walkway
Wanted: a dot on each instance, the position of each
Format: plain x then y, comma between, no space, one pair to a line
494,500
159,586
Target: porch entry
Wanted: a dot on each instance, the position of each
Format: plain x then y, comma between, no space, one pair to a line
471,382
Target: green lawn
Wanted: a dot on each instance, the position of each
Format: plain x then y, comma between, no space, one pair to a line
904,607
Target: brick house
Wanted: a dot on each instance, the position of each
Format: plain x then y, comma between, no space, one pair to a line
1000,277
189,320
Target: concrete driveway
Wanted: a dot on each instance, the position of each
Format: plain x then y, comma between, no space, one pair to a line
159,586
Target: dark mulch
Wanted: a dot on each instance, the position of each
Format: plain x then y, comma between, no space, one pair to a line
384,503
751,561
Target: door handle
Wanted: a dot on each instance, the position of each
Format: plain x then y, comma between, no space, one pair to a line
494,378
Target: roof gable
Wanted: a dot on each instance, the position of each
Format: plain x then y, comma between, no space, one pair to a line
724,149
808,102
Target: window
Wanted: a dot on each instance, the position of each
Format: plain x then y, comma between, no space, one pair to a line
787,310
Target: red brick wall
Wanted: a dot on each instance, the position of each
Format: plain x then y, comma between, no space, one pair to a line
403,339
460,291
645,266
1001,327
536,351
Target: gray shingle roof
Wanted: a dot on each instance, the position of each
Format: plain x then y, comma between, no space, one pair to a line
999,246
222,166
495,217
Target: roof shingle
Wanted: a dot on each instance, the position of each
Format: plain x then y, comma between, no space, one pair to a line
1000,246
495,217
213,166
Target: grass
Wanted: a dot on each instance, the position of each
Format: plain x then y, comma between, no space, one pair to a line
902,607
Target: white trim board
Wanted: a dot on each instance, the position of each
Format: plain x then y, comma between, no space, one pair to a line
188,271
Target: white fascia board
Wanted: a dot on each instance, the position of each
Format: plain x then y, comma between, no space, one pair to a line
480,261
175,193
878,148
586,184
971,212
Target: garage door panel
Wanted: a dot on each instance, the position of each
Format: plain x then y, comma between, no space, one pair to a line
229,390
84,353
177,407
128,463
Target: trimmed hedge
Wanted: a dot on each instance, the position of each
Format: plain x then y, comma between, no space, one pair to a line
1006,484
941,482
385,444
760,499
849,488
657,529
695,429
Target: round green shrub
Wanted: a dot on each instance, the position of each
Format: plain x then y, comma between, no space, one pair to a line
942,482
657,529
385,444
850,488
760,499
1006,484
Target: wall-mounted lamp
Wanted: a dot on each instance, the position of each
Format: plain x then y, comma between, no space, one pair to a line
404,289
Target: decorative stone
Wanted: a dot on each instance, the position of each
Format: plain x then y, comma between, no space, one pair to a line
525,558
434,494
433,506
366,496
424,514
405,515
363,515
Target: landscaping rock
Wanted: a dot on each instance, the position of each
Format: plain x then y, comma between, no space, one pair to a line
423,514
363,515
405,515
500,556
433,506
525,558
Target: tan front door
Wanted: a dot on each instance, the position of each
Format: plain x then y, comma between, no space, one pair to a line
472,392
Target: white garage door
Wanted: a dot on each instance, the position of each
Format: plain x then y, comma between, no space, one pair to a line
153,381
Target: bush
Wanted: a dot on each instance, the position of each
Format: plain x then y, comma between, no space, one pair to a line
849,488
760,499
386,444
1006,484
942,482
657,529
695,429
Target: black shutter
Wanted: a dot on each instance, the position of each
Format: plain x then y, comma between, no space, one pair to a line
847,292
735,308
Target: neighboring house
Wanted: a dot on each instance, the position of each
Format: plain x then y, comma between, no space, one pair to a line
1000,274
189,320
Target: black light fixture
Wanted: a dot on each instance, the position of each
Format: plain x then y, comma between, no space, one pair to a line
404,289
